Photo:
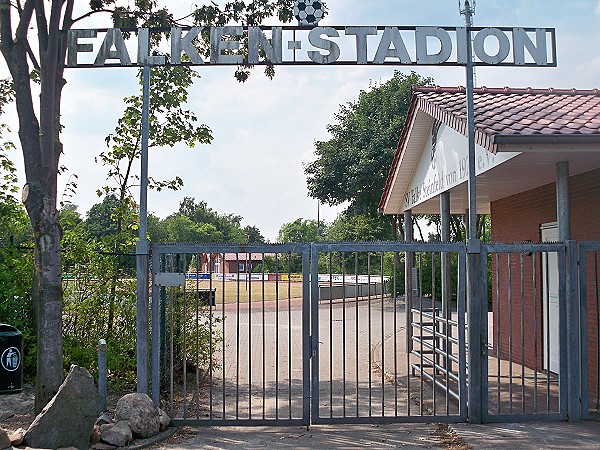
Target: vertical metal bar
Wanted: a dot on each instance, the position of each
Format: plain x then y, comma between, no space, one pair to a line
184,320
237,337
290,353
277,336
434,338
484,333
498,333
306,343
522,263
462,350
535,333
510,335
370,337
382,341
473,243
156,332
421,350
343,257
547,349
573,331
563,383
142,248
583,331
171,347
212,301
102,347
408,294
356,325
249,281
163,326
197,333
330,337
315,330
597,298
563,209
224,397
395,294
264,348
446,281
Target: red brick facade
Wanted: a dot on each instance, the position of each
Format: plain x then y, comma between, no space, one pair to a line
518,219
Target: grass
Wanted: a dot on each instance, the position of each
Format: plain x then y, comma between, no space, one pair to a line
249,291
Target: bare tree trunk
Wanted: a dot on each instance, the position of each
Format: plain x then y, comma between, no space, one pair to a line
48,295
41,149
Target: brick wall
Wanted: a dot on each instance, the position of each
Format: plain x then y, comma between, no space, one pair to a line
517,219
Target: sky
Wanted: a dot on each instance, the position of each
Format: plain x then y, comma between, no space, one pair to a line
264,130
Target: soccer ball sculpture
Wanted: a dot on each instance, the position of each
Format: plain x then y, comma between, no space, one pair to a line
309,12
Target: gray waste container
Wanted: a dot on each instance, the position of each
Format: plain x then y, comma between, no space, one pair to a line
11,359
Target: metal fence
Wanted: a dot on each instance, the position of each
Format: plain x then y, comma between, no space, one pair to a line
336,333
382,356
524,382
589,295
233,345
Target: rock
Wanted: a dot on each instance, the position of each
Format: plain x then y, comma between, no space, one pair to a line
118,435
95,436
68,419
16,438
102,446
4,440
104,418
165,420
140,413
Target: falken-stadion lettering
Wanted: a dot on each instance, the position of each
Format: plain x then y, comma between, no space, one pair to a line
350,45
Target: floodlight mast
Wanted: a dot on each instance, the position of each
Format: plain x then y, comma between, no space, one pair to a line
474,298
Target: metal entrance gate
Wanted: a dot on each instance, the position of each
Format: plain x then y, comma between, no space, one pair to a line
379,355
244,338
233,334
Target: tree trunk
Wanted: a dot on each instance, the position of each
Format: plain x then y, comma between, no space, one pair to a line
47,296
41,149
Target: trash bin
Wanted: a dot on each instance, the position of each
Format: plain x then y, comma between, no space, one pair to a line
11,359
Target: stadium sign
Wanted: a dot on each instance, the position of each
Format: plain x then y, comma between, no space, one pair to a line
307,45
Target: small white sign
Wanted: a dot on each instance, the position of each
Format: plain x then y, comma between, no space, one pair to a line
11,359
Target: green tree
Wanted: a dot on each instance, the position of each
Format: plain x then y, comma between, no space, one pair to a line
253,234
353,165
301,231
229,225
355,228
38,56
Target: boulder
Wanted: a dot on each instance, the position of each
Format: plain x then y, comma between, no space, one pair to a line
165,420
139,411
95,436
118,435
103,419
102,446
68,419
4,440
16,437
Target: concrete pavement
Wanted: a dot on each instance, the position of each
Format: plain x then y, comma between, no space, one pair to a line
526,436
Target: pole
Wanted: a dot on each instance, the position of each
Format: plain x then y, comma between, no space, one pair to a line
102,347
142,248
474,297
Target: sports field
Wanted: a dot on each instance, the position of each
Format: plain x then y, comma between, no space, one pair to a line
244,291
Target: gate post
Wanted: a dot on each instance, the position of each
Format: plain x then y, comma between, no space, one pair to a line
408,284
573,333
475,323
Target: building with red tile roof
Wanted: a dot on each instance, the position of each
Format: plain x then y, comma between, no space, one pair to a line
532,146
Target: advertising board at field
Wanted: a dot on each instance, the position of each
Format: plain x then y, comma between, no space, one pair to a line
302,45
